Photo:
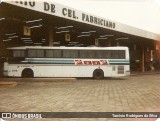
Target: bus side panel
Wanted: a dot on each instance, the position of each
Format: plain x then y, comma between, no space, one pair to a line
74,71
12,70
61,71
107,70
85,71
47,71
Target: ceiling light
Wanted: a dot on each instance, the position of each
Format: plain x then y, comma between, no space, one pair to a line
102,38
65,27
28,42
84,35
62,32
85,32
13,37
88,32
35,26
38,43
6,40
25,38
10,34
34,21
122,38
92,31
107,36
74,42
2,19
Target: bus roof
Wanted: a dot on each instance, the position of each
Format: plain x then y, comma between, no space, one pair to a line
63,47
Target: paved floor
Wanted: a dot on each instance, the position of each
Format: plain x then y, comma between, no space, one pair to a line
138,93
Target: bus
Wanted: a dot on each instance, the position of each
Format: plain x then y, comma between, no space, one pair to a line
41,61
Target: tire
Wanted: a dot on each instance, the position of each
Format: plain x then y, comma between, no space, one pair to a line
27,73
98,74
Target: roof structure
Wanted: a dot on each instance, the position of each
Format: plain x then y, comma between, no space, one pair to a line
55,9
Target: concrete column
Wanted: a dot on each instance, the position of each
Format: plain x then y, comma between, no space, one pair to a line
51,37
142,58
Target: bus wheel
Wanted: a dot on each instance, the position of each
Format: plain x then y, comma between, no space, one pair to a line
98,74
27,73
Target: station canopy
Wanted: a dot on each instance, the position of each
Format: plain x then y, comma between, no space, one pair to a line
26,22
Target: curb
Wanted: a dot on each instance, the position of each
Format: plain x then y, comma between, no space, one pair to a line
145,73
8,84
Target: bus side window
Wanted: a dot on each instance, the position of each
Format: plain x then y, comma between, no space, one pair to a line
57,53
49,53
114,55
102,54
121,54
91,54
83,54
74,53
108,54
31,53
40,54
118,54
99,54
18,53
66,53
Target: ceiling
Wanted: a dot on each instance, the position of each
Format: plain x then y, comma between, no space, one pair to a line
13,19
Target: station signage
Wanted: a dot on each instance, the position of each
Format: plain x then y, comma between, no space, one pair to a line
64,12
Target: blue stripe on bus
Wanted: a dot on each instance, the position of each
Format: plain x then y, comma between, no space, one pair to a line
122,61
51,61
72,61
119,62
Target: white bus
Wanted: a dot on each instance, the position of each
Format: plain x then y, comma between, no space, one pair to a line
39,61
